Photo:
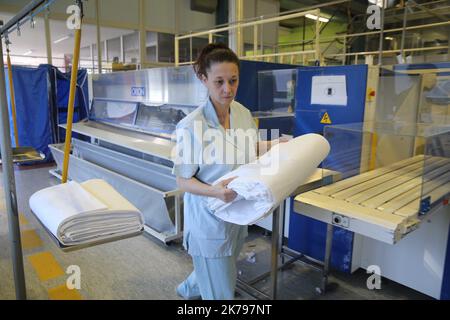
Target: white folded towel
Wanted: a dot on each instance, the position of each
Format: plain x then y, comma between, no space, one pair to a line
82,213
263,184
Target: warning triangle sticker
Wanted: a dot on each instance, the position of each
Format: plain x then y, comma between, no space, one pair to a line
325,119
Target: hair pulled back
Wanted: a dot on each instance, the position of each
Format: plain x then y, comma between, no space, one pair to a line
214,53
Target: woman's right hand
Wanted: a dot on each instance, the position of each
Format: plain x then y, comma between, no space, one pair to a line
222,192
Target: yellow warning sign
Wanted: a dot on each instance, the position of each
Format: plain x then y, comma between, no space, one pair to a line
326,119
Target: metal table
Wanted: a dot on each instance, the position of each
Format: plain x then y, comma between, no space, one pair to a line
319,178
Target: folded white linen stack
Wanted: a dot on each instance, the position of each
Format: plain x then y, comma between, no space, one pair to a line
83,213
263,184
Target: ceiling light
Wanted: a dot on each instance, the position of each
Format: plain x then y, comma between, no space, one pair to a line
389,38
62,39
314,17
28,52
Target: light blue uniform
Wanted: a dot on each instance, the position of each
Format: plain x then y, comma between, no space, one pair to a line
213,243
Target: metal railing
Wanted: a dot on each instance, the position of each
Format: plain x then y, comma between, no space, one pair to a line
284,53
257,53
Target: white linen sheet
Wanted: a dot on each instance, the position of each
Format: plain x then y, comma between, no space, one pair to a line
263,184
82,213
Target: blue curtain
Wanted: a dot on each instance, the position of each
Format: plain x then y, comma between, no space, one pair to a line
31,97
41,96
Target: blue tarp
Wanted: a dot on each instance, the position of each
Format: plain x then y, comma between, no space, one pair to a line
62,98
41,96
32,108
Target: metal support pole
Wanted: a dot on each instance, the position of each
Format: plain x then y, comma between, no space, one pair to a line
304,32
402,45
9,186
178,214
91,49
177,27
73,88
122,50
99,48
142,34
261,41
380,49
281,228
240,34
190,49
345,50
177,52
326,264
48,37
12,97
105,50
274,251
255,39
235,16
317,40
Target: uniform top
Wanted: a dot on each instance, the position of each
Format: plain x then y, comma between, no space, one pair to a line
206,151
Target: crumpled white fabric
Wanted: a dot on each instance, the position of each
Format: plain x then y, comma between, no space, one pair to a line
82,213
263,184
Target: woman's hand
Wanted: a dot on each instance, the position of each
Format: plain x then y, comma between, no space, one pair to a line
284,138
222,192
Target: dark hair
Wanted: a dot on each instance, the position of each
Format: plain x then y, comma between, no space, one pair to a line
213,53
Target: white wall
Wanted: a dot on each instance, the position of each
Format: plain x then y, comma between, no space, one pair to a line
193,20
170,15
257,8
160,15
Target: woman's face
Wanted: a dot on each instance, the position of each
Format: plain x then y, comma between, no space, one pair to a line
222,82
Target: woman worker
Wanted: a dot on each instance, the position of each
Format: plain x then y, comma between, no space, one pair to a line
213,244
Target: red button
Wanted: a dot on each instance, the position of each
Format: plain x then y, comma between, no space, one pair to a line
445,202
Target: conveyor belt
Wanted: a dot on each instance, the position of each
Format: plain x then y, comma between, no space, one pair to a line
385,203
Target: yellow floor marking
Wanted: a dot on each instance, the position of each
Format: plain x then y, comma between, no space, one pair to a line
64,293
45,265
30,239
22,219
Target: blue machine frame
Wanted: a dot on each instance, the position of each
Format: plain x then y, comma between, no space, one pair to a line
248,93
307,235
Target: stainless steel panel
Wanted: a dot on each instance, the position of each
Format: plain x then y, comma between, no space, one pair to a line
152,174
175,85
144,143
